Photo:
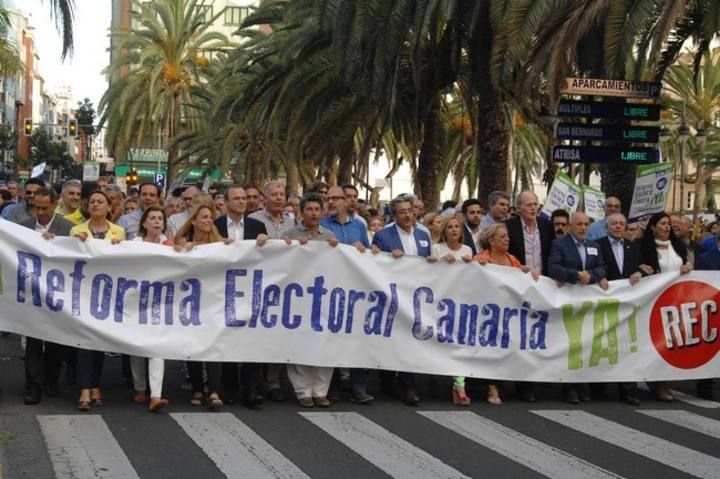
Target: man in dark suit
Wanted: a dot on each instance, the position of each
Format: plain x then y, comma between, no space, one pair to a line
622,261
708,261
42,369
530,240
235,225
472,211
573,259
400,239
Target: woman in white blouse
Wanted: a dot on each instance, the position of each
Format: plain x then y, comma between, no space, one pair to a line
451,247
662,252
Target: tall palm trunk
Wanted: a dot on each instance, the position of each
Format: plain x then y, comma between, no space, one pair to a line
173,122
427,174
493,132
292,182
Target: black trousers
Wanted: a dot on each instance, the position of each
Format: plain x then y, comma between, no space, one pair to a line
43,361
250,378
214,374
89,368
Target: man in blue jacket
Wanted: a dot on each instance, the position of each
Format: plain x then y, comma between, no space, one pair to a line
401,239
575,259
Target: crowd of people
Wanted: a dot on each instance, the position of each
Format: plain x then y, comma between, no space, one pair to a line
569,248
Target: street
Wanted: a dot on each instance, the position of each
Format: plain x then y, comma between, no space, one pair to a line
603,438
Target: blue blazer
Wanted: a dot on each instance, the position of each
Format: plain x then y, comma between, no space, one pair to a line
565,262
709,260
388,239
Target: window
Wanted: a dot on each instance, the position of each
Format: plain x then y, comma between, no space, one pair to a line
236,15
205,11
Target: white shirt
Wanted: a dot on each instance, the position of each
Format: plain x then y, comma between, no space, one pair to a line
440,250
408,240
44,229
618,249
176,221
668,259
236,231
533,246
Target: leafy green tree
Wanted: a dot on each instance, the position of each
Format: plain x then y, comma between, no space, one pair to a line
44,149
162,60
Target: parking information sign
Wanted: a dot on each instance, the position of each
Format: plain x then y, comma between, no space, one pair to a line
652,186
160,179
564,194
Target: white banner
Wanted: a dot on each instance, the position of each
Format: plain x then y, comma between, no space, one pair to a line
564,195
652,186
594,201
319,305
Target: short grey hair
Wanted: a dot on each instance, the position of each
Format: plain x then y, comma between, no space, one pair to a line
115,189
70,184
403,198
609,218
519,201
270,185
497,195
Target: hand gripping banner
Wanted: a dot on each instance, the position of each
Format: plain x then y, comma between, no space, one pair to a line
325,306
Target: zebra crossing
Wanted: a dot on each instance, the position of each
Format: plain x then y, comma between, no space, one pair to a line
86,446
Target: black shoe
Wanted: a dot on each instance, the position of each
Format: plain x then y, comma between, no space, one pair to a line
570,396
630,399
32,397
333,394
252,400
51,390
276,395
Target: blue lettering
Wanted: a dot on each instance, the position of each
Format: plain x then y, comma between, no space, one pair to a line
537,332
508,314
317,291
123,286
190,305
159,291
446,323
417,309
374,315
77,278
55,284
468,323
337,310
231,293
100,296
271,297
353,297
256,297
487,335
287,298
392,310
23,274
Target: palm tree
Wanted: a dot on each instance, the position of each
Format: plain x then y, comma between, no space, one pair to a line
697,96
63,11
166,59
10,62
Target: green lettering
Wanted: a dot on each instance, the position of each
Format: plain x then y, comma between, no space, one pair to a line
607,309
573,326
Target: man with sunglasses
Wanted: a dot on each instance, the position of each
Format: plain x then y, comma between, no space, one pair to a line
24,209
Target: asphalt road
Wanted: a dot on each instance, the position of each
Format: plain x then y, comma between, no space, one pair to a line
603,438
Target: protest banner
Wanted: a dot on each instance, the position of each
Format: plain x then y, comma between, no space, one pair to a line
652,185
318,305
594,201
564,194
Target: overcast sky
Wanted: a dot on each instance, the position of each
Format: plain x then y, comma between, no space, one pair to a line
83,70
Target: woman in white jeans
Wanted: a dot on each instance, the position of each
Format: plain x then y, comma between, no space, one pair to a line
152,225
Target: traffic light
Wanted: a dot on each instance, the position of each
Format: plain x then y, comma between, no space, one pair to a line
72,127
27,130
131,178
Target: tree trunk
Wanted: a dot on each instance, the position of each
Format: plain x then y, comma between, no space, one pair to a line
253,169
293,177
173,121
493,138
345,169
427,174
619,180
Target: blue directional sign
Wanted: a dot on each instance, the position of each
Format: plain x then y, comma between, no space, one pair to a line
160,179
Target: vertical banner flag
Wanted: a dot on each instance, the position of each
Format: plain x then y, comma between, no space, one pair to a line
594,201
564,194
652,185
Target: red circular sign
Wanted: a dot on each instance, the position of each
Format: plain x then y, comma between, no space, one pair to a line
685,324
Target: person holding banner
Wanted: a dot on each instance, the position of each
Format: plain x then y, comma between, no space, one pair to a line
662,252
43,359
90,363
198,230
311,383
152,226
575,259
402,238
530,240
622,259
